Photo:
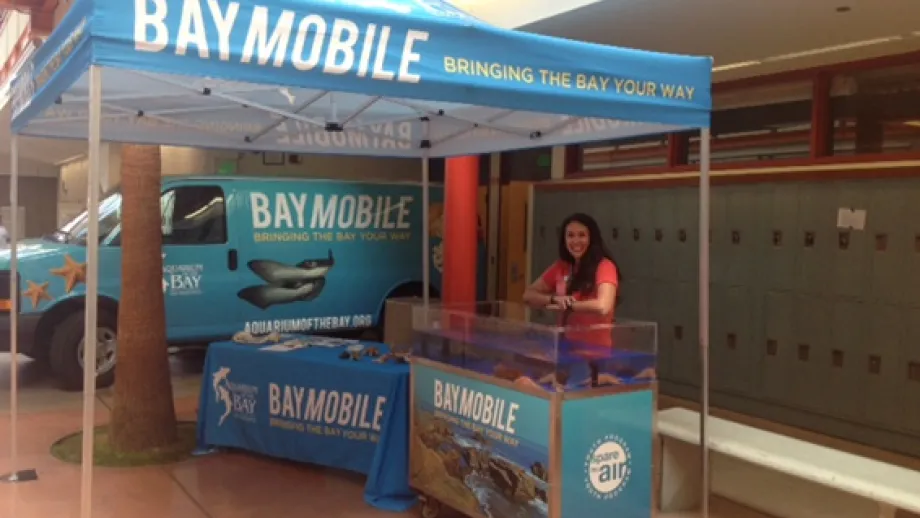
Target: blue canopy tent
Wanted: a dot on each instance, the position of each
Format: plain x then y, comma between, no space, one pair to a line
398,78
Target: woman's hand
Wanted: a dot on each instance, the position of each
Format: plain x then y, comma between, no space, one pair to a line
566,302
602,305
538,294
561,303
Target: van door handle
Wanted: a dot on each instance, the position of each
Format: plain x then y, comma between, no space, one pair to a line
232,259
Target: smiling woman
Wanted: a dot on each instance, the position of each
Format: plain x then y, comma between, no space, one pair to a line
582,284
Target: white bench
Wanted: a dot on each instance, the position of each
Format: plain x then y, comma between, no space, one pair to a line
775,474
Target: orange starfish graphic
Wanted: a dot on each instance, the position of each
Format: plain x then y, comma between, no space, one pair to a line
73,273
37,293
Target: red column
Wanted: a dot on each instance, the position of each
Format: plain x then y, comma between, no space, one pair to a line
822,130
678,149
461,188
574,159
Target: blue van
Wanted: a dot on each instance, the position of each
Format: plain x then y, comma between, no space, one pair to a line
239,254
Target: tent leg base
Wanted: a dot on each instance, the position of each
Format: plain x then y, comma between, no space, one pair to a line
23,475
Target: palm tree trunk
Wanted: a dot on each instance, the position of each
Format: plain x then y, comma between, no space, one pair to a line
143,415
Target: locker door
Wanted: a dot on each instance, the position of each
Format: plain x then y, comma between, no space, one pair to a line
783,237
563,205
778,346
813,318
720,357
755,239
883,364
641,222
752,342
537,246
610,218
670,243
611,210
664,264
603,208
909,373
685,360
745,369
844,363
637,295
661,311
687,245
904,230
720,254
890,241
817,240
619,235
548,206
739,235
851,257
637,290
730,341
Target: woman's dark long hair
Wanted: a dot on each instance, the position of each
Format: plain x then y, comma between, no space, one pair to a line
583,279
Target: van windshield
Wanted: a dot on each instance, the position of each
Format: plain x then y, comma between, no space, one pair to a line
75,231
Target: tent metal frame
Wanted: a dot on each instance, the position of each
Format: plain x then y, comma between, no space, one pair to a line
95,119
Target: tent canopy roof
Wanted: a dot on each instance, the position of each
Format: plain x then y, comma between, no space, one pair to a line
367,77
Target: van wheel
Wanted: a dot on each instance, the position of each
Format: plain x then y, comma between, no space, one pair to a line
66,354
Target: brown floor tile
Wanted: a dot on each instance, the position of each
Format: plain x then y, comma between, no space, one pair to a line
37,432
117,493
238,485
224,485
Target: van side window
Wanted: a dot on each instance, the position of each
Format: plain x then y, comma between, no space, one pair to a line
194,215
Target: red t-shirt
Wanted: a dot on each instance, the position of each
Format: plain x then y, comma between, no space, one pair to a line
556,277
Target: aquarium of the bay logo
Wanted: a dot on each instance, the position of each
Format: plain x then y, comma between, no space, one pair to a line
607,467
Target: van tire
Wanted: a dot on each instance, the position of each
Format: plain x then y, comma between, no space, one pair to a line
65,342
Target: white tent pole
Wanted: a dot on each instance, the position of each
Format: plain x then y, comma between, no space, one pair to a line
426,205
14,308
704,314
426,241
92,286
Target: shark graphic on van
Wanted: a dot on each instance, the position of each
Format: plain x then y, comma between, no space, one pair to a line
285,284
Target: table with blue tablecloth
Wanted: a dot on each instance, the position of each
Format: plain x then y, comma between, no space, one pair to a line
311,405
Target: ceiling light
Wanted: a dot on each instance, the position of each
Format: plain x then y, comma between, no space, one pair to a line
465,4
914,124
812,52
732,66
70,160
834,48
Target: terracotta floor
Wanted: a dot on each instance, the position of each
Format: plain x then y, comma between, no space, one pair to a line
224,485
216,486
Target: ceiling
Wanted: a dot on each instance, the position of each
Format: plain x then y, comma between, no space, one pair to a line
732,31
510,14
45,151
24,5
736,31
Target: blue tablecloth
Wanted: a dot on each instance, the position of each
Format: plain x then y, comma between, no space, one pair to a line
308,405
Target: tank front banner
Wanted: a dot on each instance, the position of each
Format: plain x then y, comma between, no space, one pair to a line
478,448
607,456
